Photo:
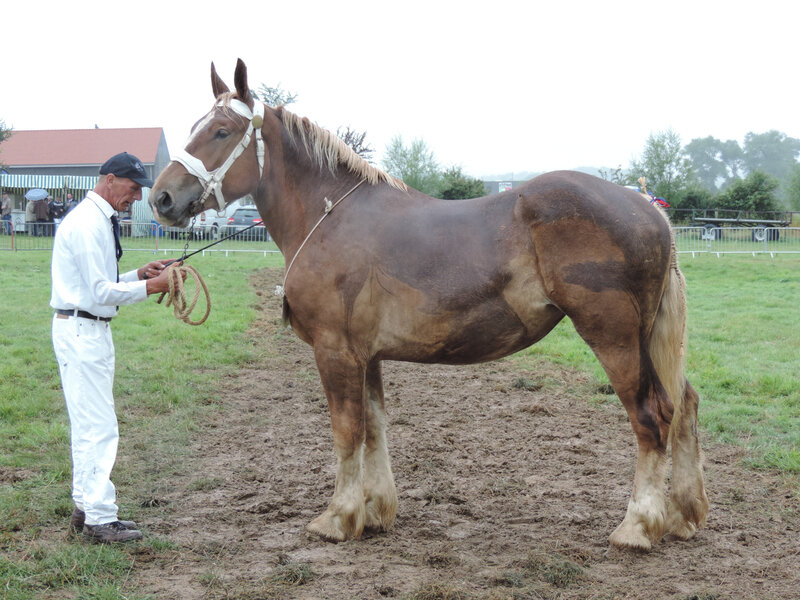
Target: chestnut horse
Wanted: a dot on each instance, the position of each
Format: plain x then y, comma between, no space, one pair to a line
376,271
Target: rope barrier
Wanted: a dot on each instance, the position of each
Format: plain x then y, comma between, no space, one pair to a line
177,293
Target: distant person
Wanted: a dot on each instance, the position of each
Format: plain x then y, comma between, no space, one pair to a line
57,211
5,211
86,293
41,211
30,217
70,202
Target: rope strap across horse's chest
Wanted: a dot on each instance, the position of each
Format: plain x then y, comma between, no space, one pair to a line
280,290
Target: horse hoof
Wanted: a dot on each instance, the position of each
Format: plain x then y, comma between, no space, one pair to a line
375,523
682,530
336,526
630,536
678,526
380,515
324,528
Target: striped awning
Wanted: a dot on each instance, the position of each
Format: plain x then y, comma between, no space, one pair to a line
77,184
51,183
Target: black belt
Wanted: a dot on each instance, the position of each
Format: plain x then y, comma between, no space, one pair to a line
74,312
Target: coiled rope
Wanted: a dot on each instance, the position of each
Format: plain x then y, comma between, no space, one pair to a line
177,293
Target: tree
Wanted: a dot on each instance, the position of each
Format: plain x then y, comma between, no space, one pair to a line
694,196
355,140
714,162
455,185
756,192
773,153
664,164
617,176
273,96
793,188
414,164
5,133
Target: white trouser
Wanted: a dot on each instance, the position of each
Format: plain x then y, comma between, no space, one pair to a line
85,353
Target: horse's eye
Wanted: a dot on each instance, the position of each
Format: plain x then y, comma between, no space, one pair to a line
222,134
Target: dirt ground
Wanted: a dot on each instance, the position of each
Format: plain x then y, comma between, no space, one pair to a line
506,491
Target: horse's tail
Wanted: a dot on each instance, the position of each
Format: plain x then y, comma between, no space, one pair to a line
668,339
688,504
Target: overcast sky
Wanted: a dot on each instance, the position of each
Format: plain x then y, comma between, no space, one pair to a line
494,87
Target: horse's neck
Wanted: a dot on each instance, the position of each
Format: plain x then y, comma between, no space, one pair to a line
295,206
298,190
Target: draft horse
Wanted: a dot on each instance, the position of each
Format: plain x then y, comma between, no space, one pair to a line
378,271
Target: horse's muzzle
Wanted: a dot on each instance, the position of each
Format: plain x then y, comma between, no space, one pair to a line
164,206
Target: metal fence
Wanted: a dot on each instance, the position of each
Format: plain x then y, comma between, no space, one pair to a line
737,240
151,237
148,237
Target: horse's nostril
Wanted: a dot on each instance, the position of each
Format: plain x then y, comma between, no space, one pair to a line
164,202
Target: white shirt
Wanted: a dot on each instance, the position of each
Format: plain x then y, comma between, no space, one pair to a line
84,267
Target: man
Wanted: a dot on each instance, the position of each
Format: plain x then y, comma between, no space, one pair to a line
5,211
87,291
70,202
41,210
57,211
30,217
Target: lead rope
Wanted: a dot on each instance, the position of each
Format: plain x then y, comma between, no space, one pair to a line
177,297
177,293
280,290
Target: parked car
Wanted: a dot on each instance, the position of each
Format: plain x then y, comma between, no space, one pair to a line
244,217
216,222
207,225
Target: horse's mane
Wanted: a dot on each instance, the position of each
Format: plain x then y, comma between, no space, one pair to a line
327,149
330,151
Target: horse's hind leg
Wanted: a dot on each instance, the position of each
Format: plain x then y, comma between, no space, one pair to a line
379,489
343,378
615,334
688,504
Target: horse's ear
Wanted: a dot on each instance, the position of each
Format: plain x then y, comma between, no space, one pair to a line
217,85
240,81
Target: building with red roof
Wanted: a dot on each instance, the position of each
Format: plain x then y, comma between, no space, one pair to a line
63,161
80,152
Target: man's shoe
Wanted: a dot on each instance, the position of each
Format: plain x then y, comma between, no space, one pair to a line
109,533
76,521
78,518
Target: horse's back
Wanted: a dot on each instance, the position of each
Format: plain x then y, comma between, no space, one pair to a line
583,203
465,281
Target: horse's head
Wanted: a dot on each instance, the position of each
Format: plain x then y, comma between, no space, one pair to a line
223,158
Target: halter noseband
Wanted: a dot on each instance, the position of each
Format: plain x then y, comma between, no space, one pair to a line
212,180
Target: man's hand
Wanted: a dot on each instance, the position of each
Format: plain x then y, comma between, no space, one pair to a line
159,283
153,269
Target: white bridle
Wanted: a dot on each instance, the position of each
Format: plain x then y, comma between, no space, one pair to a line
212,180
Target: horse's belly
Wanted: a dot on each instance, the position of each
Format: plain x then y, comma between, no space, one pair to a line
483,331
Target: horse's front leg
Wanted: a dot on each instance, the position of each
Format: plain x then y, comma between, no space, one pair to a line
343,380
379,489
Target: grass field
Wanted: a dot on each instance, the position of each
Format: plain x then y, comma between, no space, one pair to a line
743,358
